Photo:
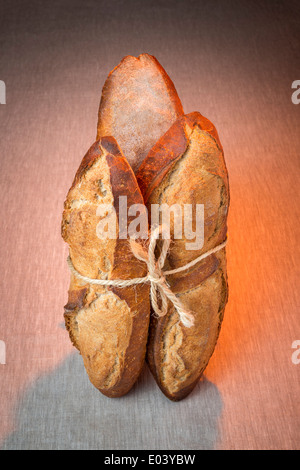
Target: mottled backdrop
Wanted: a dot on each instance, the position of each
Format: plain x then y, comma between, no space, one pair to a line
235,62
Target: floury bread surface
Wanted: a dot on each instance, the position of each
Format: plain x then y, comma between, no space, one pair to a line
108,325
138,105
186,166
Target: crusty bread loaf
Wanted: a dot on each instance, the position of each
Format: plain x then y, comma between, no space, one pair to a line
177,159
108,325
186,166
138,105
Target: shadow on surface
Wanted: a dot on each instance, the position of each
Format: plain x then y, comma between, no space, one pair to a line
63,410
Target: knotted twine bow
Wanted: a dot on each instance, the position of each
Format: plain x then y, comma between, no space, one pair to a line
156,276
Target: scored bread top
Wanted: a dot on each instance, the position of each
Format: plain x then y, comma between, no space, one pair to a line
138,105
186,166
108,325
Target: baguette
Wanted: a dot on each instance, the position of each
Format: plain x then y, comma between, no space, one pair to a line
138,105
108,325
186,166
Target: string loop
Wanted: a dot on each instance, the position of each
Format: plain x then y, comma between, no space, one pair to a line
160,291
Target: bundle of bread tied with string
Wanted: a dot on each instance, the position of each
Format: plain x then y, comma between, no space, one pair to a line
154,298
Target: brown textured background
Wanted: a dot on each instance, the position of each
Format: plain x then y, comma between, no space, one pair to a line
234,62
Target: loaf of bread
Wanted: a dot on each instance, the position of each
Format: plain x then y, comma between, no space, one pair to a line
167,158
138,105
186,166
108,325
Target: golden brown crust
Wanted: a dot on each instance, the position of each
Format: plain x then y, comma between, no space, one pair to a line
138,104
169,149
109,326
178,160
186,166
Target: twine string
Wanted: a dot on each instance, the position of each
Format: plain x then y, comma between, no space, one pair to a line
160,291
